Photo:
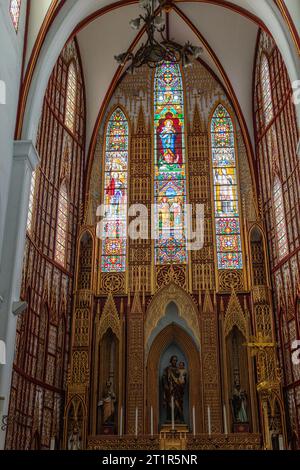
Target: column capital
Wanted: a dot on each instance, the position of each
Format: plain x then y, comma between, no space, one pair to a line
25,150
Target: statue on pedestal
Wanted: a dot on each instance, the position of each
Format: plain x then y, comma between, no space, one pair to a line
239,404
74,441
107,403
174,381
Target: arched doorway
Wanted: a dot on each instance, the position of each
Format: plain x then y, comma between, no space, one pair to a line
173,341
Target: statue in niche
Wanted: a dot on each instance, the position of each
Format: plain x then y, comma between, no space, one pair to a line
174,381
239,404
74,441
108,404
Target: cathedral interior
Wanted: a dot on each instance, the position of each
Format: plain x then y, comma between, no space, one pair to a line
149,228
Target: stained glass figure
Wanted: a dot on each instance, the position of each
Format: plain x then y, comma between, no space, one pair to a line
170,172
115,194
14,10
62,225
228,233
71,97
266,90
281,233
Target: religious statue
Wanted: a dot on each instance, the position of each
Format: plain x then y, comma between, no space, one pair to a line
108,404
174,381
74,441
239,404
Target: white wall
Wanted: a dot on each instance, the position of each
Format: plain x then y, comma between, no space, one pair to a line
11,50
294,9
37,13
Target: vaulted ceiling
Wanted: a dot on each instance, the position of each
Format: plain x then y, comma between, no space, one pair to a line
226,34
227,30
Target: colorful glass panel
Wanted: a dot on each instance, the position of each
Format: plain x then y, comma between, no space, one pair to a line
281,233
14,10
115,194
62,225
71,97
228,234
266,90
170,172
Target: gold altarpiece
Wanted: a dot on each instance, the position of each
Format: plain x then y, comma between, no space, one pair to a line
222,315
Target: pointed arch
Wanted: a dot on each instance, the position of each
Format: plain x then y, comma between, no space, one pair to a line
62,224
114,230
71,96
280,219
226,194
170,165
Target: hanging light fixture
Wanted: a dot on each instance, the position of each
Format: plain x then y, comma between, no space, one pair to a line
158,47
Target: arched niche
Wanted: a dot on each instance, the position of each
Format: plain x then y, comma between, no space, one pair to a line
258,257
106,367
173,338
107,378
75,419
238,381
275,421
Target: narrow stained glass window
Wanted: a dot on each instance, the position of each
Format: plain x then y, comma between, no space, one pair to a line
115,194
31,202
71,97
266,90
62,225
281,234
228,234
170,171
14,10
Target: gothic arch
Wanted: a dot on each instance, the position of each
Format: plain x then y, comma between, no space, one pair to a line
187,310
173,334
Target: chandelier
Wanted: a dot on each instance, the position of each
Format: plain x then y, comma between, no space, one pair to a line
158,47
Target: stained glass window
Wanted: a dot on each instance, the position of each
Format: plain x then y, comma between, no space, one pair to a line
62,225
14,10
31,202
170,171
281,234
71,97
266,90
115,194
228,232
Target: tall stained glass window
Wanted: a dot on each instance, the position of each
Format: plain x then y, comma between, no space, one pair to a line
62,225
170,172
228,234
14,10
281,234
71,97
115,194
266,90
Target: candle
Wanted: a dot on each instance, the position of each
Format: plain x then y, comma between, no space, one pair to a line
209,420
280,442
52,443
225,420
173,414
136,422
121,421
152,432
194,421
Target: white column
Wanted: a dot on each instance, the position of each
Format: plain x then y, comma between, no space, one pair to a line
25,160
